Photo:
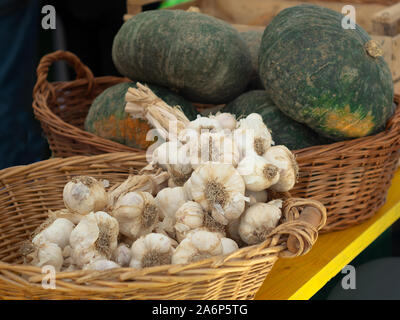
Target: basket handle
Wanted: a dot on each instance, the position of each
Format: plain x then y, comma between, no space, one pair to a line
304,218
42,71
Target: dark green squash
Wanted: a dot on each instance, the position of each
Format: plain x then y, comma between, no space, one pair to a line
253,41
202,58
284,130
107,117
332,79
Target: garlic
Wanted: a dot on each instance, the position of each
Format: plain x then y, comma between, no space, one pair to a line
283,158
47,253
122,255
228,245
168,201
219,189
58,232
215,147
259,220
84,194
181,170
203,124
137,214
94,238
75,218
252,136
153,249
101,265
166,154
232,230
257,196
258,174
226,120
190,216
198,245
188,135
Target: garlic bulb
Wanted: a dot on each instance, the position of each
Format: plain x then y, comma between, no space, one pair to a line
228,245
166,154
204,124
58,232
252,136
257,196
216,147
122,255
198,245
283,158
101,265
137,214
75,218
94,238
84,194
259,220
151,250
181,170
168,201
219,189
226,120
258,174
188,135
232,231
190,216
47,253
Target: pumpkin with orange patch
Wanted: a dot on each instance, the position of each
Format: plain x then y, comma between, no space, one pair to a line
107,117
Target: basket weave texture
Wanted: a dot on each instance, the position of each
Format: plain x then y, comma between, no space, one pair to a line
28,192
350,178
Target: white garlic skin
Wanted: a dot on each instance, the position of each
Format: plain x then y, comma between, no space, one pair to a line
252,136
151,250
137,214
283,158
84,194
197,245
88,237
189,216
204,124
217,148
226,120
258,220
258,174
166,154
168,201
219,189
257,196
58,232
232,230
101,265
228,245
48,253
122,255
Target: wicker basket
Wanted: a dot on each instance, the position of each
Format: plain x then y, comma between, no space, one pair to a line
350,178
28,192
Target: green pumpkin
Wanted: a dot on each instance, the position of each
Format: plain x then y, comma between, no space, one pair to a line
107,117
284,130
332,79
202,58
253,41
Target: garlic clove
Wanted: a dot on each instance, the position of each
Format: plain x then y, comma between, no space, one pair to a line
259,220
166,154
219,189
84,194
226,120
58,232
47,253
284,160
101,265
258,174
228,246
122,255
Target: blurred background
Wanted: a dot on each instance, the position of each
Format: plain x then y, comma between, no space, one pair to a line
86,28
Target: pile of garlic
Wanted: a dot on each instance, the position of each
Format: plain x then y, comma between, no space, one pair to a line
215,201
